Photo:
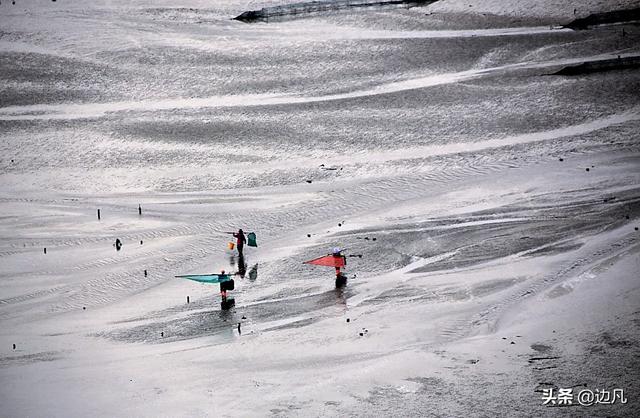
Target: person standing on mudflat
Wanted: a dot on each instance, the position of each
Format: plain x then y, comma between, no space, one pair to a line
241,240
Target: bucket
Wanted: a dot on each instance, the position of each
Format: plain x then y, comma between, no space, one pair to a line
251,240
231,245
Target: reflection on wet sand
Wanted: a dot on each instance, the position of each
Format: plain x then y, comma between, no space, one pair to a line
216,322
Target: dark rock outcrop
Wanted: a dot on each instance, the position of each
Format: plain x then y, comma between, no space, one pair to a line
620,63
304,8
617,16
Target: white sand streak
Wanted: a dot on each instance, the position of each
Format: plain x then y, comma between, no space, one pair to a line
454,148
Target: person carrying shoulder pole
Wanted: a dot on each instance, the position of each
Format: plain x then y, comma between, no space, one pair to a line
341,279
241,240
223,290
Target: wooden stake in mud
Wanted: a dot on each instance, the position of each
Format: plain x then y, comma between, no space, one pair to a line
187,299
98,214
139,210
45,250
